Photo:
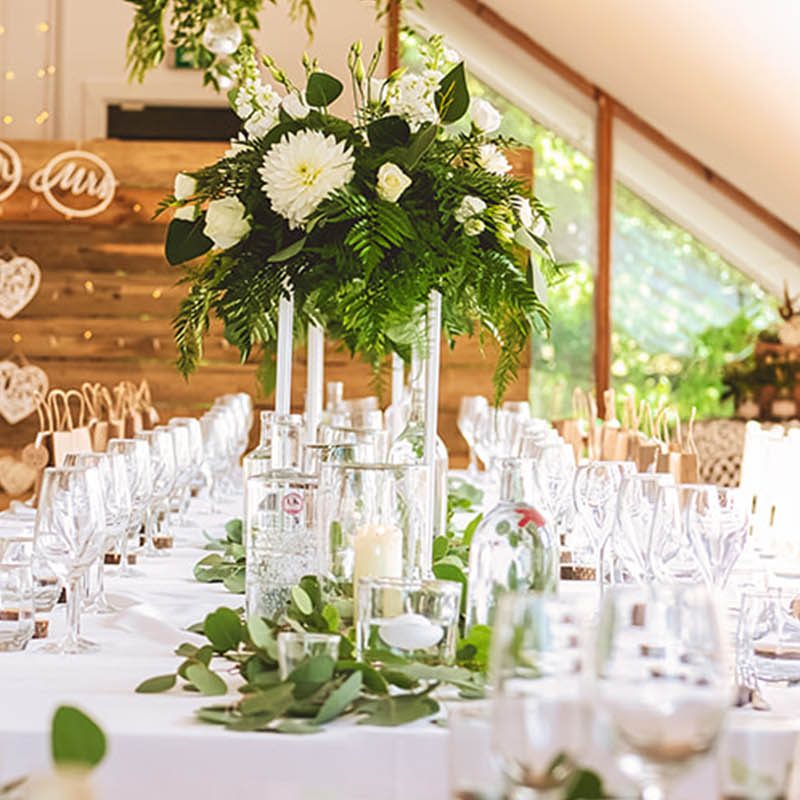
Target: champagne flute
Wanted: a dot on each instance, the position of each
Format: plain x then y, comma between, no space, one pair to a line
469,410
595,491
116,506
69,536
136,456
540,715
662,678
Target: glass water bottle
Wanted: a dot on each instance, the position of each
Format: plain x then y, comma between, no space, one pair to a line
511,549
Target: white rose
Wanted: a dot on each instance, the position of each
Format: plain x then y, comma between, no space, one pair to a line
485,116
295,106
474,226
259,124
187,213
492,159
524,211
470,206
392,182
226,222
185,186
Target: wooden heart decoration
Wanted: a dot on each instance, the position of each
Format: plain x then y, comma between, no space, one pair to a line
16,478
19,282
21,390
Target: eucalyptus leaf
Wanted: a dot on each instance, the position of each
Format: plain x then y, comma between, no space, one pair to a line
469,531
233,529
261,635
331,615
235,581
301,600
584,785
186,240
314,670
217,715
274,700
223,629
76,740
290,251
295,726
322,89
339,699
310,585
258,722
160,683
205,680
393,711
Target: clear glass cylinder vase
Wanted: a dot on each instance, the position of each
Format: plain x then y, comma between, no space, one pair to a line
375,521
282,538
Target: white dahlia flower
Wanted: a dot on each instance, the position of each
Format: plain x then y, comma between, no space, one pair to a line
301,170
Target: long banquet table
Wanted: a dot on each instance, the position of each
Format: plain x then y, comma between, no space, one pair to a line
157,749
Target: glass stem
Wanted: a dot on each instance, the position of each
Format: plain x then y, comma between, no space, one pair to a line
71,641
472,469
600,567
124,567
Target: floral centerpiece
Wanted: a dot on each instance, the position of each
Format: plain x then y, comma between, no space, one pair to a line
360,219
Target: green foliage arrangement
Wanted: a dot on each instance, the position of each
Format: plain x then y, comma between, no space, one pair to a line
360,220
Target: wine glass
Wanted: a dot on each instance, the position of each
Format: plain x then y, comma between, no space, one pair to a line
184,468
469,410
540,715
136,455
69,536
553,469
162,470
662,678
192,425
117,509
217,433
633,535
717,521
595,491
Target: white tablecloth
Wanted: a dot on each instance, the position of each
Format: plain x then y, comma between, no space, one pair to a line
157,749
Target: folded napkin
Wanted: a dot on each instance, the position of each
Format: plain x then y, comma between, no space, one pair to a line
145,621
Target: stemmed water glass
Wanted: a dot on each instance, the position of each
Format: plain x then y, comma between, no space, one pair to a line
69,536
539,715
136,455
672,557
595,491
162,471
217,433
662,678
553,468
717,522
633,534
469,411
192,425
184,468
117,508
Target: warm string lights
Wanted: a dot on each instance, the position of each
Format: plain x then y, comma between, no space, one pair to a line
48,70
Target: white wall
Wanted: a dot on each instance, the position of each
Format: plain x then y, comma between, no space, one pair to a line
88,37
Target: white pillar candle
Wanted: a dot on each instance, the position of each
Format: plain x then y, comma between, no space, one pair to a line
283,378
315,368
377,553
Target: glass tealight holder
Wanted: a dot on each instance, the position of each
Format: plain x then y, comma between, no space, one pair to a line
282,538
295,647
16,605
371,445
315,454
410,618
374,521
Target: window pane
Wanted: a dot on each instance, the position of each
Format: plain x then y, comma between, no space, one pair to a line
679,310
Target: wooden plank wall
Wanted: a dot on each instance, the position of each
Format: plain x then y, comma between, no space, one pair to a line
107,296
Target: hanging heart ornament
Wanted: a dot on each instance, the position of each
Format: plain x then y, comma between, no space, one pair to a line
19,282
16,478
21,390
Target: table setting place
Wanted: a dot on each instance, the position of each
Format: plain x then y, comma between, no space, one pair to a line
576,628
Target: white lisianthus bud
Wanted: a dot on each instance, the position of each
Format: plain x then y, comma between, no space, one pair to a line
469,207
376,89
524,211
492,159
185,186
295,106
474,226
452,56
392,182
485,116
226,222
187,213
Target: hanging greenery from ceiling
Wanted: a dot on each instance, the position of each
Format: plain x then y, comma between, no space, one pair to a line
181,24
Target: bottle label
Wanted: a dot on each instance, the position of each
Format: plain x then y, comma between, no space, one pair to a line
292,503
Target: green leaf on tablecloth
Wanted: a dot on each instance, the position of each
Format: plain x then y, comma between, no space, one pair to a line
310,585
316,669
372,679
209,569
223,629
197,627
161,683
205,680
301,600
234,582
399,679
584,785
275,700
233,530
261,635
217,715
457,676
340,698
76,740
257,722
473,650
294,726
469,531
399,710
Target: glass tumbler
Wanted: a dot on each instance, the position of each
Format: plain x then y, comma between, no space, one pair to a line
283,541
16,605
295,647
